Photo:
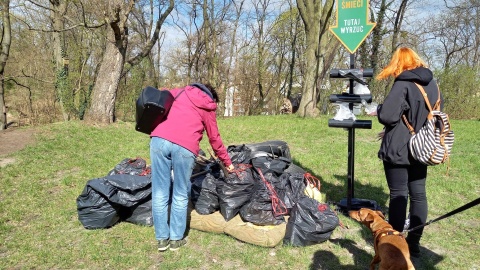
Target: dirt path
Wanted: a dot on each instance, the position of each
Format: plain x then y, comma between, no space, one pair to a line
12,140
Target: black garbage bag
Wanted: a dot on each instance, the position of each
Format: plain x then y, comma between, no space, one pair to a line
132,166
239,154
276,148
204,194
244,152
140,214
202,164
293,168
260,209
235,190
294,188
310,223
269,164
109,200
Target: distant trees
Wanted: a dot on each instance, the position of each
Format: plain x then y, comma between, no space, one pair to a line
89,59
458,57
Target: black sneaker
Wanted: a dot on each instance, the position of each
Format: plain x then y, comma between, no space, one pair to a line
413,241
163,244
176,244
414,250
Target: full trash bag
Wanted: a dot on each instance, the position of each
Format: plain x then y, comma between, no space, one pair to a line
114,198
239,154
244,152
235,190
276,148
310,223
132,166
268,164
294,188
204,194
260,209
140,214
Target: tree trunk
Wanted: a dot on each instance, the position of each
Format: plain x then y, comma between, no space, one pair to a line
207,36
6,41
397,27
261,17
59,52
102,108
308,106
312,13
327,46
293,45
229,100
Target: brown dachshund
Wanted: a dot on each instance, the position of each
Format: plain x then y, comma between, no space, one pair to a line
391,249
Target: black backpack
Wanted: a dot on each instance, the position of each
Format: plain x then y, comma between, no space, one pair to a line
151,108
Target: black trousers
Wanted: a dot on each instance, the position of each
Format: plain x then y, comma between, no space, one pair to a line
407,182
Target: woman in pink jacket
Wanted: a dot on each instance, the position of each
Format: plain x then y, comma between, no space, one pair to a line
174,145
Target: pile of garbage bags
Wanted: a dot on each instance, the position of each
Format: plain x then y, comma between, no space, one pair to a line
124,194
266,200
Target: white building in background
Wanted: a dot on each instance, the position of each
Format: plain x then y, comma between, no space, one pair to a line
233,102
229,98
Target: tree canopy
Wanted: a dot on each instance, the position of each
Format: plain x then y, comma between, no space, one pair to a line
89,60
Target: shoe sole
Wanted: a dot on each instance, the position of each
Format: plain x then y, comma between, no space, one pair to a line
177,248
164,248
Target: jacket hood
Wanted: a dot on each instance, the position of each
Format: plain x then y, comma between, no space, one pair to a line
421,74
200,99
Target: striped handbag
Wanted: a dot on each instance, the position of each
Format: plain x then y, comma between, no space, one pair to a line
432,144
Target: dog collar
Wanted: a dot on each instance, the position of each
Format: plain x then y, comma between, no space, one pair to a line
381,233
385,233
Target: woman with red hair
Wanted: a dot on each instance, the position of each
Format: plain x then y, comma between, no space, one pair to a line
405,176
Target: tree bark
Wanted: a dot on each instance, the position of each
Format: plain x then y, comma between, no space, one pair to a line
102,108
398,24
58,10
312,13
6,42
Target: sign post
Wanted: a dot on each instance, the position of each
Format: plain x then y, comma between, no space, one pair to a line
351,29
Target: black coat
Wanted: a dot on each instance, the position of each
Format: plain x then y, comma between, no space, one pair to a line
405,97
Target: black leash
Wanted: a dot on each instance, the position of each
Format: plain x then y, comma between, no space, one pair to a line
458,210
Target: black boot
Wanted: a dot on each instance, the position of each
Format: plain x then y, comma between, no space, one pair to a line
413,241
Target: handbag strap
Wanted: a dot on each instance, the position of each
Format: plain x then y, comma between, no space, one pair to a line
425,97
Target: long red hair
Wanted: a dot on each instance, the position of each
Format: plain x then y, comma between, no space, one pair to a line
403,59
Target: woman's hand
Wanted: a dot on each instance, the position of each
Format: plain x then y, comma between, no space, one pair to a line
230,168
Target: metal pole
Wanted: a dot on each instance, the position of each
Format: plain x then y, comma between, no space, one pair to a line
351,147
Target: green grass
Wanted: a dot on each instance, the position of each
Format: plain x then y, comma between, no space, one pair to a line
39,227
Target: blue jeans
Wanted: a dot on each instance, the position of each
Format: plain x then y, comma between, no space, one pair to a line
165,157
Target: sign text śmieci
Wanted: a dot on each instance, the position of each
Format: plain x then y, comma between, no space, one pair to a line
352,4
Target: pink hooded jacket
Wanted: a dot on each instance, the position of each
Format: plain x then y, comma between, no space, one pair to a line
192,112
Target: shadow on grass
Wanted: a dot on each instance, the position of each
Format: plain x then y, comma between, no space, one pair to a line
337,192
360,191
323,259
428,260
